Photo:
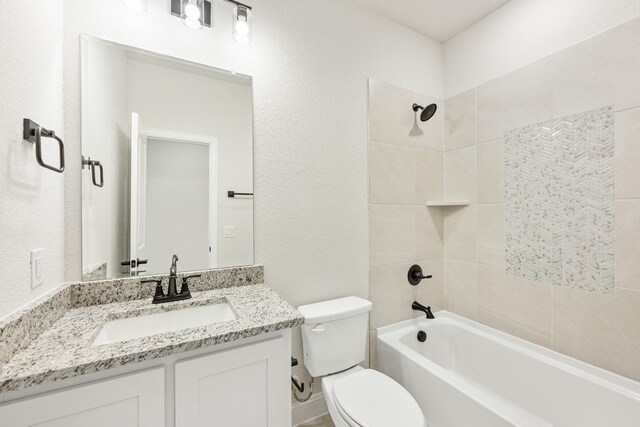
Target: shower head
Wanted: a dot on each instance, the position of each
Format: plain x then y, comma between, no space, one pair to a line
427,112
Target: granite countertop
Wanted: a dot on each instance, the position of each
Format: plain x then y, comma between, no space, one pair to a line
64,350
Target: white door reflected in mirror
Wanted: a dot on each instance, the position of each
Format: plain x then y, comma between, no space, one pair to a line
177,187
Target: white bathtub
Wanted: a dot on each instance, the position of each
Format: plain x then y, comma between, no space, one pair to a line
467,374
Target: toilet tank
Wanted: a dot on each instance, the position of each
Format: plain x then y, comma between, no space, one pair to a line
334,334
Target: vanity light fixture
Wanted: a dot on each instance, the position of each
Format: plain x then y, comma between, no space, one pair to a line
135,5
241,23
195,14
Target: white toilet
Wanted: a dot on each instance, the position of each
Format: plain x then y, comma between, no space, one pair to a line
334,341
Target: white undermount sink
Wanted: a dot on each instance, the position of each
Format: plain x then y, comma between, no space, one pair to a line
159,323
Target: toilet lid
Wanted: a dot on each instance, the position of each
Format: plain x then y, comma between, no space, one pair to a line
372,399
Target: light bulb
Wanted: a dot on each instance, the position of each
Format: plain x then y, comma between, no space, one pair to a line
242,28
193,24
135,5
242,24
192,11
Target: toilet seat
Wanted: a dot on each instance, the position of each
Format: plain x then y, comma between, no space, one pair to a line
368,398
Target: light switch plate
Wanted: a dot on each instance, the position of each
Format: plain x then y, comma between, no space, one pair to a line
229,231
37,267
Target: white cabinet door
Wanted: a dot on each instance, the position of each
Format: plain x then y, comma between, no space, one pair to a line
241,387
135,400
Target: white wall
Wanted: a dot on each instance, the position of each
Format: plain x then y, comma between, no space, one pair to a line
180,101
523,31
31,198
310,61
106,128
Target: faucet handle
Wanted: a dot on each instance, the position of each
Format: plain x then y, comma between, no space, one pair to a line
184,289
415,275
159,291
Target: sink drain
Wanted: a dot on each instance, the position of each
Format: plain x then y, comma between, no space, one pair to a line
422,336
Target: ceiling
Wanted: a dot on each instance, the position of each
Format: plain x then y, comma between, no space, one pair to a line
437,19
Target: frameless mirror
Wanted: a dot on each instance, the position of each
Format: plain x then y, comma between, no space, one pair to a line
167,163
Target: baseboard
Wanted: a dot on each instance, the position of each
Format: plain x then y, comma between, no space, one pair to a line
312,408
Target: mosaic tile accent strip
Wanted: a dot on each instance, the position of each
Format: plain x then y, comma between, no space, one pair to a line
560,202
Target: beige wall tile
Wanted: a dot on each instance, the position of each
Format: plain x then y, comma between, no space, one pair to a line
517,99
391,295
391,117
460,288
490,243
429,176
429,237
430,292
491,172
323,421
599,329
367,360
627,249
603,70
515,306
627,154
433,138
373,349
391,173
460,233
391,234
460,121
460,174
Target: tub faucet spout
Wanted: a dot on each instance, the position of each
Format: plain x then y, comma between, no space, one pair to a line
426,310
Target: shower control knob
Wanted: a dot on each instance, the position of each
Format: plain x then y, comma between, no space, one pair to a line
415,275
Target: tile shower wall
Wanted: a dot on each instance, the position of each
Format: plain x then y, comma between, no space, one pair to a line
404,172
598,328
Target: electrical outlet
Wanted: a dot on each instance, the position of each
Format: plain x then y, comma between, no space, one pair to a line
37,267
229,231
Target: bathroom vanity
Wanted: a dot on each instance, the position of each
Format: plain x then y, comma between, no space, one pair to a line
167,168
115,365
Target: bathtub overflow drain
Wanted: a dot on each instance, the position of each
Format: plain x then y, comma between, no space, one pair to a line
422,336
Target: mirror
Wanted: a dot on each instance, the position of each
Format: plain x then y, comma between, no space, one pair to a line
167,163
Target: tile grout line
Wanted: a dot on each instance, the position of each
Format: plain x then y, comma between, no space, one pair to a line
553,299
477,198
393,144
444,213
553,291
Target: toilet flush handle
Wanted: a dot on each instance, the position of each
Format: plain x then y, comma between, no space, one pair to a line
318,328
